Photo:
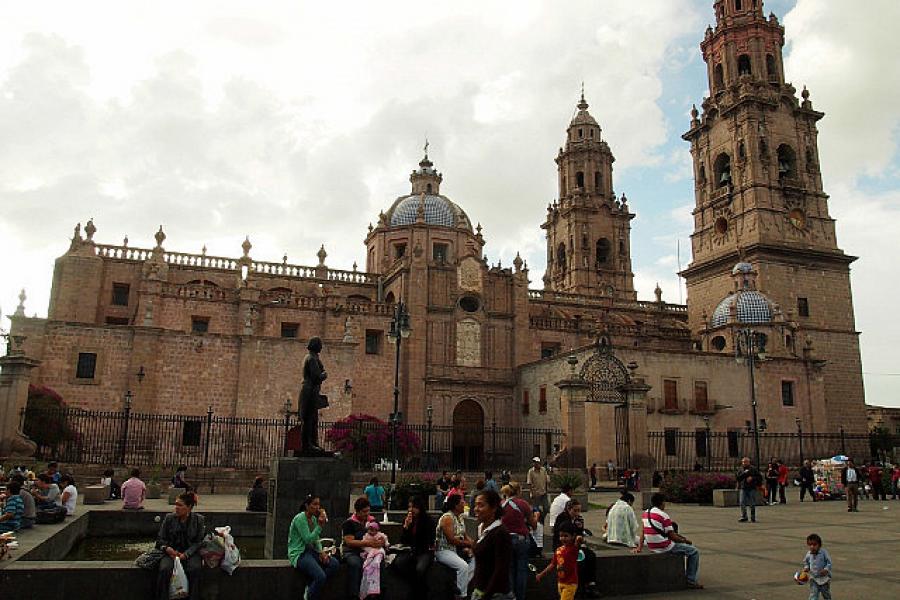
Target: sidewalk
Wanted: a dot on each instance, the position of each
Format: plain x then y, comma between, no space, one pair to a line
757,561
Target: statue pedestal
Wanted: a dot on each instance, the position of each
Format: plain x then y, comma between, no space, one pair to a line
290,481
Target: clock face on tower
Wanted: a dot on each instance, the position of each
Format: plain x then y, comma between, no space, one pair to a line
797,218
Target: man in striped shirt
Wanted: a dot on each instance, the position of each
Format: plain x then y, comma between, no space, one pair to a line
660,536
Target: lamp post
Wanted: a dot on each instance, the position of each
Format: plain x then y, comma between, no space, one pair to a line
429,412
399,331
751,346
800,437
127,416
708,445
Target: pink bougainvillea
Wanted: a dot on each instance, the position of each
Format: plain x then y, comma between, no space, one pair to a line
367,437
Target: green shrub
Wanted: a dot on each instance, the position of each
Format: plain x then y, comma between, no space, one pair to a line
560,478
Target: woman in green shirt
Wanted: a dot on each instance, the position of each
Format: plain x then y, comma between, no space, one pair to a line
305,548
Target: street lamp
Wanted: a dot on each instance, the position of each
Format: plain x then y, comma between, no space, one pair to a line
751,347
708,445
429,412
398,332
800,436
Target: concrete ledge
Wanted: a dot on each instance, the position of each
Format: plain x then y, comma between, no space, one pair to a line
726,498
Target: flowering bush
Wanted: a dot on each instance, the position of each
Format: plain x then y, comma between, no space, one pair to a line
695,487
367,438
45,422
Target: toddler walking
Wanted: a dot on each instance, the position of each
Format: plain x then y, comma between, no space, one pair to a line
817,564
565,559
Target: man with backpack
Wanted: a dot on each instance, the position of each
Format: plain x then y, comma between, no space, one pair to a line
748,480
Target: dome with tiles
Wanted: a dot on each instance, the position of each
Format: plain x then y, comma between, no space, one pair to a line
752,308
439,210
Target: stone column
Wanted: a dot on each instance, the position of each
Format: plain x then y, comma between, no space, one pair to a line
639,448
14,378
573,392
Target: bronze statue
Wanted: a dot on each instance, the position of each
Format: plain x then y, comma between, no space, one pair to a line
311,399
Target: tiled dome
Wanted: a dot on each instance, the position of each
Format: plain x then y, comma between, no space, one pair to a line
438,211
752,308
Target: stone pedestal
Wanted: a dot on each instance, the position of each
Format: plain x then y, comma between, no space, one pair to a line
14,378
290,481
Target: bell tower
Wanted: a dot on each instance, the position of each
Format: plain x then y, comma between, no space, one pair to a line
759,198
588,229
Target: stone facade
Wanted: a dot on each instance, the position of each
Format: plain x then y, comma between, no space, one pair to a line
230,333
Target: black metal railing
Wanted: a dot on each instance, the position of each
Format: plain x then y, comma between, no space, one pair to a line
718,450
125,437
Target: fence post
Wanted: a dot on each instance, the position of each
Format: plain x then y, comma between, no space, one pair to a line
127,416
209,415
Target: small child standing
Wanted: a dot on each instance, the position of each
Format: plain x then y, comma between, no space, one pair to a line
565,559
817,563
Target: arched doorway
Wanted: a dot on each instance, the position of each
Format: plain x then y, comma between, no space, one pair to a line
468,435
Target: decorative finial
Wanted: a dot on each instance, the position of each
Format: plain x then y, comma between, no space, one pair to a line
89,229
658,293
246,246
805,93
426,147
582,105
76,237
20,310
478,228
322,254
694,112
517,262
203,250
284,259
125,241
354,266
160,237
370,227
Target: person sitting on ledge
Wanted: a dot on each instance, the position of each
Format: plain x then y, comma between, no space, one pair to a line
115,490
181,535
353,531
30,513
258,496
69,497
660,535
178,480
13,509
45,492
134,491
305,547
622,526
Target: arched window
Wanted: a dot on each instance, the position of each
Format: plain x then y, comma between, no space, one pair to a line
744,65
771,68
723,170
561,257
701,174
389,298
787,161
579,180
603,249
597,181
719,77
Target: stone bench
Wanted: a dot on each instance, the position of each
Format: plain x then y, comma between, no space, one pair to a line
726,498
95,494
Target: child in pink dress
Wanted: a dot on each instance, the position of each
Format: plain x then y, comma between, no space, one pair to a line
372,559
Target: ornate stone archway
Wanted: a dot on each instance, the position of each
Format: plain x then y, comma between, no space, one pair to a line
605,374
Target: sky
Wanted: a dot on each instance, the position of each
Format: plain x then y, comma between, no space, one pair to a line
295,123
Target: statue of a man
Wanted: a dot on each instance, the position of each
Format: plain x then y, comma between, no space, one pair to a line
310,398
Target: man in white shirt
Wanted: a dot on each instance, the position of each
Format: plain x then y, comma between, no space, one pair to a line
559,503
622,526
850,481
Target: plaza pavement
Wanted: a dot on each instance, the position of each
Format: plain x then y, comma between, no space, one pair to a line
757,560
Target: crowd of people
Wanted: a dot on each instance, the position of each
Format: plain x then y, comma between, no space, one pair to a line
30,498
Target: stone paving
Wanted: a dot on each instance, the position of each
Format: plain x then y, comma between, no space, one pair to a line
757,561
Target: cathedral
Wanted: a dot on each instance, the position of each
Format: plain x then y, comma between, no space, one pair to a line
188,333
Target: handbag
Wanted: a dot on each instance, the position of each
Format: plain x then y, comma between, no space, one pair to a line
322,402
149,560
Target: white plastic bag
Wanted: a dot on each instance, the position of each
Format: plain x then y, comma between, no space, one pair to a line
232,558
178,583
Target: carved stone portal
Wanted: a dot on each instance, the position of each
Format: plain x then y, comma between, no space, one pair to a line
468,275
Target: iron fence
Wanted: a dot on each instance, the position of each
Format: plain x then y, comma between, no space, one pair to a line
718,450
124,437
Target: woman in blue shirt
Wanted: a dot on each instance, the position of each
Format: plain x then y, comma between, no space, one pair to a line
375,493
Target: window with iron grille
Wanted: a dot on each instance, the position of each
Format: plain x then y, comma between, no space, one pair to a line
190,433
787,393
734,449
120,294
526,408
117,320
700,443
199,324
290,330
87,365
542,400
671,442
670,394
373,341
701,400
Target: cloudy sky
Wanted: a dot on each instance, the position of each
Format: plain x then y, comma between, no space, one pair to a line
296,122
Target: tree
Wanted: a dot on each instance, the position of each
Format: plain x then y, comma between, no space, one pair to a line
45,419
367,439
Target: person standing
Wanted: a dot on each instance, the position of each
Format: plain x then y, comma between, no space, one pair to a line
587,568
817,564
593,474
660,536
310,390
493,550
518,519
305,547
258,496
442,486
375,493
783,473
771,482
807,479
537,480
611,470
895,482
850,481
490,484
565,559
876,476
748,480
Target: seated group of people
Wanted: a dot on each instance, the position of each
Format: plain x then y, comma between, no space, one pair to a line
43,498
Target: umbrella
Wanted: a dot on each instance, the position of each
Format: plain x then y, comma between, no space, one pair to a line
840,458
